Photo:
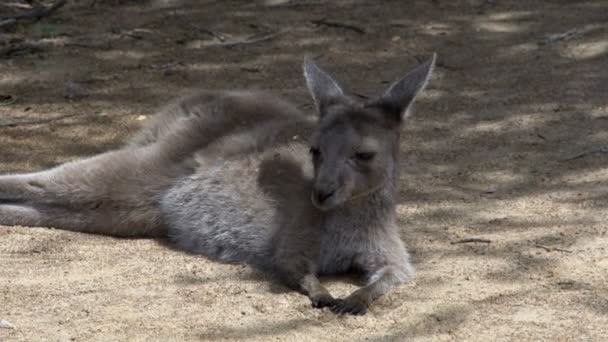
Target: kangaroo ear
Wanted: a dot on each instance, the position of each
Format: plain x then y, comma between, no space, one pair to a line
398,99
323,88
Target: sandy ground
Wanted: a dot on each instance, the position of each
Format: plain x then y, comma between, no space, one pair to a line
509,144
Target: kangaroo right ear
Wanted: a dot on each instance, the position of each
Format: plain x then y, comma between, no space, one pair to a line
398,99
323,88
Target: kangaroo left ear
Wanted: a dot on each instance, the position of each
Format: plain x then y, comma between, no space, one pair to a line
398,99
323,88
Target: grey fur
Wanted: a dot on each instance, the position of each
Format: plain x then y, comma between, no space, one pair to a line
228,175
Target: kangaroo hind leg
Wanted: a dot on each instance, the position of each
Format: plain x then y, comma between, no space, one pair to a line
24,187
113,193
84,220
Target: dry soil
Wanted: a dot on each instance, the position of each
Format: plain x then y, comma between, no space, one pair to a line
509,144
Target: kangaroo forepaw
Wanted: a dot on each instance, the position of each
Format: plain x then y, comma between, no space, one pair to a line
351,306
323,300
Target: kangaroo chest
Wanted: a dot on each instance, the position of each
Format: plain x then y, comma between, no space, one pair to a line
341,248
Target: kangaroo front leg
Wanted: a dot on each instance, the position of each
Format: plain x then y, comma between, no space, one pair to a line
381,282
297,271
319,296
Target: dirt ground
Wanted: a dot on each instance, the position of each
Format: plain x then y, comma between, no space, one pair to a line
509,143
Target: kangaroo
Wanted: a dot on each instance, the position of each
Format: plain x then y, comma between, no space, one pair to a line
245,177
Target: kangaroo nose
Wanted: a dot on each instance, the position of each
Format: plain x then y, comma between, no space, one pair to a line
323,195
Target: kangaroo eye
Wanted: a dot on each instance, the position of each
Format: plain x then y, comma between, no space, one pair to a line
365,156
315,152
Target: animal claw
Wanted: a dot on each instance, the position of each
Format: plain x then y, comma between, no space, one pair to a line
346,306
323,301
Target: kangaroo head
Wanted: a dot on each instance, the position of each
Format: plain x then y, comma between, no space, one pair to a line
354,148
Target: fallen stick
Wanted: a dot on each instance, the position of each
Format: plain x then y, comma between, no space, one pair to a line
207,31
471,240
250,40
602,149
36,122
37,13
324,22
552,249
298,3
13,50
4,22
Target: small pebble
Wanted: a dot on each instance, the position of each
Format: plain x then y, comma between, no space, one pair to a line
6,324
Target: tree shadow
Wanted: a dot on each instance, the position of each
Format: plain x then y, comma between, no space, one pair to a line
505,143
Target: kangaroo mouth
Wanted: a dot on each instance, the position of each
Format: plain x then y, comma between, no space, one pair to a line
327,203
336,199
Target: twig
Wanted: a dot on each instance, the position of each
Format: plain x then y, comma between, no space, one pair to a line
37,13
305,106
212,34
578,156
36,122
324,22
603,149
552,249
32,2
561,36
565,283
13,50
251,69
446,66
207,31
250,40
293,3
132,35
8,21
471,240
86,46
